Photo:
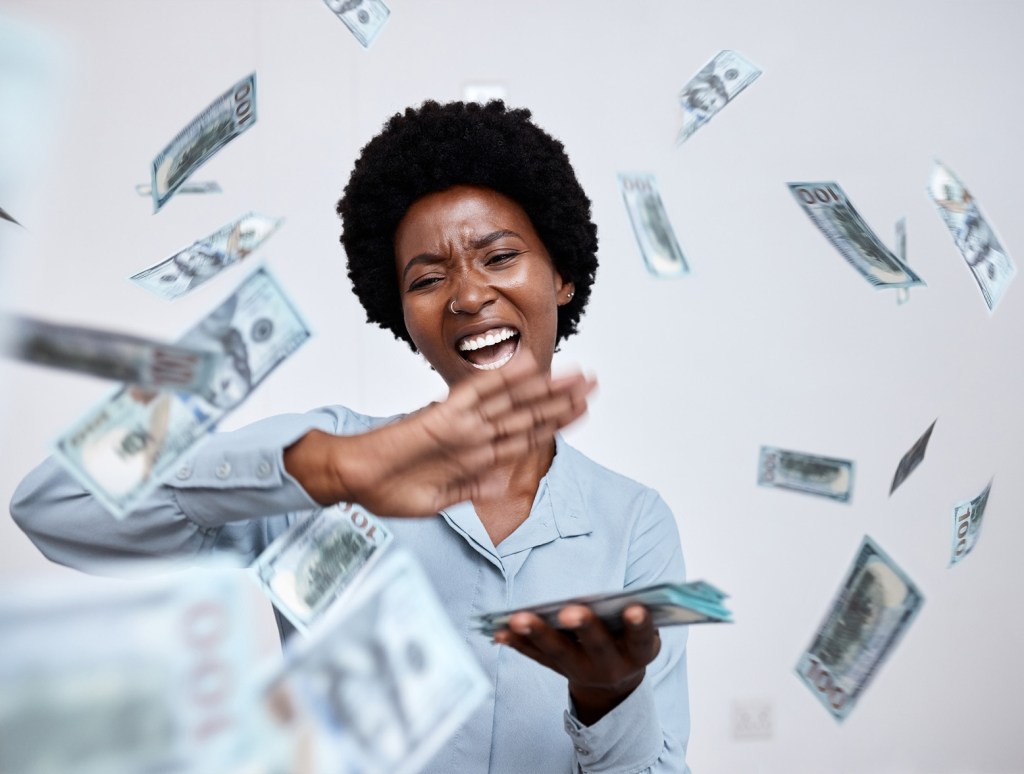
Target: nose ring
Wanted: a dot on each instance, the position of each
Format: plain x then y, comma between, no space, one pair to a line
452,306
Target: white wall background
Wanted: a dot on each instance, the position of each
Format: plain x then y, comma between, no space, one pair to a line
772,340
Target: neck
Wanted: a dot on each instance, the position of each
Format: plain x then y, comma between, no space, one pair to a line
517,485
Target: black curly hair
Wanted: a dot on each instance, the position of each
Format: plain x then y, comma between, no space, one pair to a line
434,147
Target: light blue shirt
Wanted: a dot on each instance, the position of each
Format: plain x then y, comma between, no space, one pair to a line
589,530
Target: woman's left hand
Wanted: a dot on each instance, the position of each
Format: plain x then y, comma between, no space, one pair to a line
602,667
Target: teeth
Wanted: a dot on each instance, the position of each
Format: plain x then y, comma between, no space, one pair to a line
488,339
496,363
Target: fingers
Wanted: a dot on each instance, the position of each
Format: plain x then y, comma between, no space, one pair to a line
641,640
528,634
536,408
596,641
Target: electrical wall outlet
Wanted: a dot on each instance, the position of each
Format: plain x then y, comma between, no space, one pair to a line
752,719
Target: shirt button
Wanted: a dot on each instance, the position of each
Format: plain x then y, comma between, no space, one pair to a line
263,469
223,470
184,472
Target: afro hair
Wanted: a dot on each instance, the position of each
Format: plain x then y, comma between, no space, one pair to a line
435,147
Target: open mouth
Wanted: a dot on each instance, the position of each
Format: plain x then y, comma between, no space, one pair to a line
491,349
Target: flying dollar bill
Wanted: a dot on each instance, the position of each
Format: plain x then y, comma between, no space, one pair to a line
316,560
967,518
710,90
912,458
651,226
364,18
992,267
108,355
829,209
869,615
125,447
808,473
187,269
902,294
384,680
5,216
189,187
232,113
669,604
112,677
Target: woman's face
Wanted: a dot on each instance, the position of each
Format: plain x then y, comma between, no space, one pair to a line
476,249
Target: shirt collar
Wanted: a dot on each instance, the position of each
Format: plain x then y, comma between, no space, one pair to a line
558,510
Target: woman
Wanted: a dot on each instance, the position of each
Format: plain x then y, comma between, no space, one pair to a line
469,237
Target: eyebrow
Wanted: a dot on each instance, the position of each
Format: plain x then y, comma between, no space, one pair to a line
476,244
494,236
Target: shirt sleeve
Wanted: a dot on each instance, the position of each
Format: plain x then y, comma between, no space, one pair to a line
214,502
648,732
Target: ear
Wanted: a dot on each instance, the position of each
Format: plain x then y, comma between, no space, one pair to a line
565,291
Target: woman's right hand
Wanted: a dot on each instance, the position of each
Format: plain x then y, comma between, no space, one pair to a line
441,454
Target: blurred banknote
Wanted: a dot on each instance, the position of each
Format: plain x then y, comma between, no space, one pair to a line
712,89
189,268
5,216
118,677
807,473
384,680
967,518
651,226
974,236
670,604
364,18
316,560
827,206
902,294
869,615
190,187
224,119
109,355
912,458
124,448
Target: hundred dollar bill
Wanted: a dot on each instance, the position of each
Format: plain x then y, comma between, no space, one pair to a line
384,680
832,212
975,238
669,604
190,187
124,448
223,120
108,355
202,260
317,560
710,90
809,473
364,18
651,226
902,294
967,518
869,615
117,677
912,458
5,216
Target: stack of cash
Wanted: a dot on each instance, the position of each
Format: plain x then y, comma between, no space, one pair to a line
670,604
